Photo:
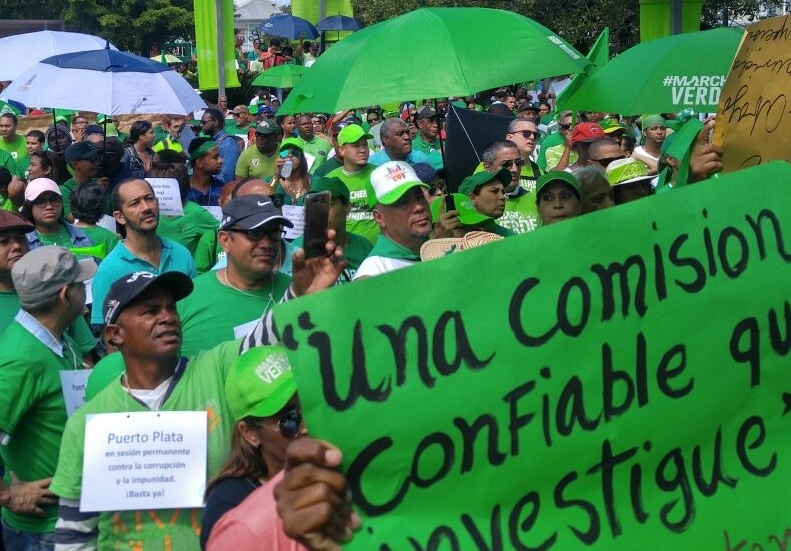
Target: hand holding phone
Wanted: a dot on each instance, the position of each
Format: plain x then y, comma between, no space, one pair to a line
317,215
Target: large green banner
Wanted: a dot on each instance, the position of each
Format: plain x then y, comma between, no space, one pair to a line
619,381
207,44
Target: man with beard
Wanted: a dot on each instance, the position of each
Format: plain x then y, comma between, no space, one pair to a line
136,208
259,162
655,130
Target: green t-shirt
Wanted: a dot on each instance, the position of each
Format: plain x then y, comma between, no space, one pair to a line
7,161
18,151
354,252
103,373
328,166
233,129
360,219
521,214
319,148
208,252
254,164
61,239
189,228
78,331
210,313
33,413
200,388
101,236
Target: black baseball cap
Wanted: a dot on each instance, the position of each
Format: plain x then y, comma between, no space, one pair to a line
126,289
250,212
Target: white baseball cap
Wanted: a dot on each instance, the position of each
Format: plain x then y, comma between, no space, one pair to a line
392,180
38,186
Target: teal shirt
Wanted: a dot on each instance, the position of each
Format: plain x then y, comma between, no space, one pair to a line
121,262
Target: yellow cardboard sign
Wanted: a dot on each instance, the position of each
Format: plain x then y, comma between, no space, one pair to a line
754,115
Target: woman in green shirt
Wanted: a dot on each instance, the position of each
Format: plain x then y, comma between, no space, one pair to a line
87,206
292,185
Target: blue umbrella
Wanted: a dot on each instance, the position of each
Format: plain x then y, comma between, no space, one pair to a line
339,23
288,26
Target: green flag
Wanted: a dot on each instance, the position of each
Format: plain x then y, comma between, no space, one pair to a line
206,40
599,53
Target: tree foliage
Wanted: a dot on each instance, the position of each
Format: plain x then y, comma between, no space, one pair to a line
129,24
132,24
578,22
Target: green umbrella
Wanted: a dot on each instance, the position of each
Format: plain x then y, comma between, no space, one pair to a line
280,76
167,59
431,53
664,75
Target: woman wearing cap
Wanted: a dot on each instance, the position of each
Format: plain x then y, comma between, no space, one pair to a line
141,138
487,192
293,187
44,208
268,418
557,197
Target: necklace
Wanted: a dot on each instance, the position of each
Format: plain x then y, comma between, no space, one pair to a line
269,299
295,195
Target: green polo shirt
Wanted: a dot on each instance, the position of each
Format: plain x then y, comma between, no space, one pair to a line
254,164
319,148
188,228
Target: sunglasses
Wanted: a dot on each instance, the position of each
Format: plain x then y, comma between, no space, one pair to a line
257,234
289,422
373,120
565,126
607,160
527,134
518,162
53,200
293,152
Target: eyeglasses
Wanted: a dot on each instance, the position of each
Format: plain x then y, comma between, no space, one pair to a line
527,134
518,162
289,422
53,200
373,120
293,152
202,122
607,160
257,234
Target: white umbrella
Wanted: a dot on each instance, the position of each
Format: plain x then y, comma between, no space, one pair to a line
21,51
104,81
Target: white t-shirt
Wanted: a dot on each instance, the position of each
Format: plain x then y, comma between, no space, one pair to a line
377,265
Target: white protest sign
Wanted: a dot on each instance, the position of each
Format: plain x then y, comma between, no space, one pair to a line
169,195
108,223
216,212
310,160
243,329
296,214
144,460
73,382
89,291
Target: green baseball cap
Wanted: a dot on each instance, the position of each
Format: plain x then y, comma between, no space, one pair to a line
470,183
267,126
627,171
335,186
352,134
468,216
260,383
294,143
558,176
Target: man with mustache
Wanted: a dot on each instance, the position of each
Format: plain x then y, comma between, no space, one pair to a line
135,207
228,300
